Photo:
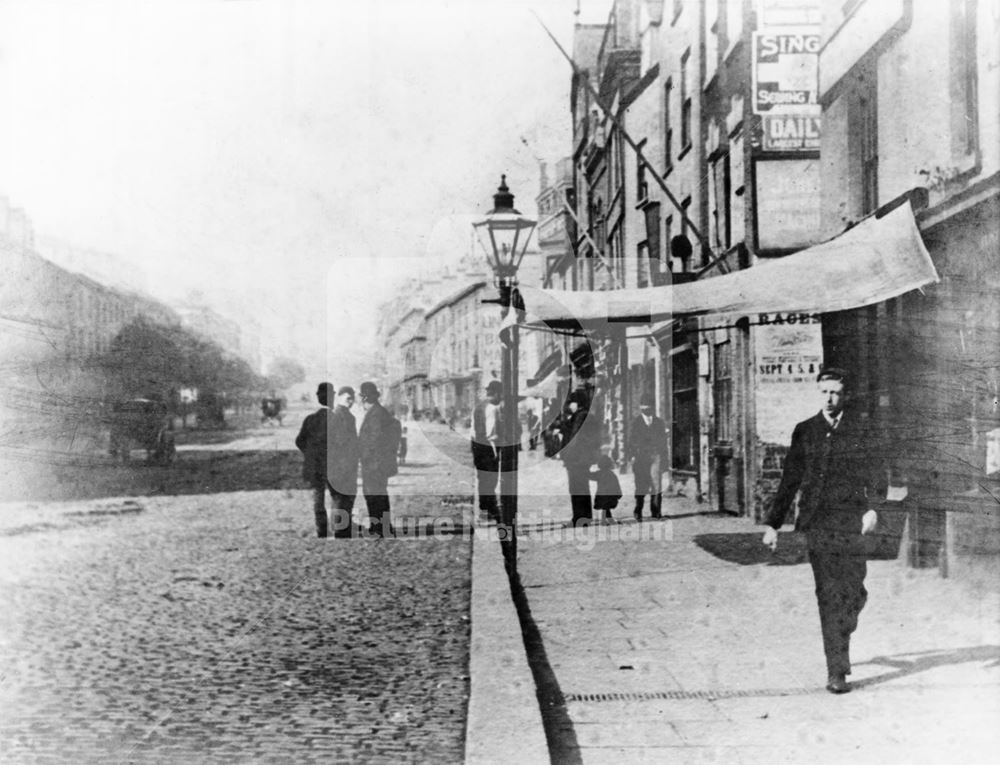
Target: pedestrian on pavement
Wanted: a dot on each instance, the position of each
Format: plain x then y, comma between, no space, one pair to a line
837,465
379,441
312,442
534,429
647,448
609,489
343,452
580,438
485,442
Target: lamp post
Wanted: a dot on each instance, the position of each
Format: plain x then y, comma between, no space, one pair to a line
504,234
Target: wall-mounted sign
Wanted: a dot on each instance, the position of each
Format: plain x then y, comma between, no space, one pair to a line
786,72
788,355
788,12
787,193
790,132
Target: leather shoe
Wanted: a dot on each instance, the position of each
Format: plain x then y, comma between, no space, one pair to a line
837,684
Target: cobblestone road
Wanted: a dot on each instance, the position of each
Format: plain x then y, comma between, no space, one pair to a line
216,628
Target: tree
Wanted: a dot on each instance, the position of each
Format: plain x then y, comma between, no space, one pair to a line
284,373
148,359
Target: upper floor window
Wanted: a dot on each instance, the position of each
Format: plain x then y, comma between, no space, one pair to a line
719,202
685,100
964,78
868,141
642,186
643,265
668,128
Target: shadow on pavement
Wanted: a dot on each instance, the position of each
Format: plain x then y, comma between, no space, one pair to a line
746,549
559,733
910,664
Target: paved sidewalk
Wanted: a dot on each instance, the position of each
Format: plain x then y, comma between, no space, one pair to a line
684,640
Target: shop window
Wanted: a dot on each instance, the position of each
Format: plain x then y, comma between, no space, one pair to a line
684,427
722,391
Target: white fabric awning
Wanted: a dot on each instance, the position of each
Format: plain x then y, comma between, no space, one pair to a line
879,259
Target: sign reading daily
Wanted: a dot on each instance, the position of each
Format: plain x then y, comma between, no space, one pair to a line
790,132
786,72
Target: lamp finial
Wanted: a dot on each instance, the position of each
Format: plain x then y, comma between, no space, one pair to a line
503,200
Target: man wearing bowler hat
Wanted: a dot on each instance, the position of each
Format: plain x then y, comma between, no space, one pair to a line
647,448
313,441
379,442
836,467
486,448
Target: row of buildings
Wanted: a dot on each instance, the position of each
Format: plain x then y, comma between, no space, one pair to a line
55,319
776,125
440,341
711,137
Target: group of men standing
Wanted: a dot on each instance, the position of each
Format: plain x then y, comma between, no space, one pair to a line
334,448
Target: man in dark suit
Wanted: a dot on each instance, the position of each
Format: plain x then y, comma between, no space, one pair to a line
647,447
485,441
581,438
312,442
343,453
379,444
837,466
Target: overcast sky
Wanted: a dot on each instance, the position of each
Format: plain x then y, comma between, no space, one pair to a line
248,146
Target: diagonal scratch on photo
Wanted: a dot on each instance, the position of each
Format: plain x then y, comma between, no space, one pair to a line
546,381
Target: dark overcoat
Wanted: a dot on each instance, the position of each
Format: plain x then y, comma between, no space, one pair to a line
838,472
378,447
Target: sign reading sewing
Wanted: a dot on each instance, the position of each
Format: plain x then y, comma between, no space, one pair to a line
786,72
789,352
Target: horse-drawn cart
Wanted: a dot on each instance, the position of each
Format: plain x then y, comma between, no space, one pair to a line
141,423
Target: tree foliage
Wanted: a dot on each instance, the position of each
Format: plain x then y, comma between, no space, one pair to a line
284,372
149,359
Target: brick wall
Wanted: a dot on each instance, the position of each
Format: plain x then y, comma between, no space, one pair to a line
771,463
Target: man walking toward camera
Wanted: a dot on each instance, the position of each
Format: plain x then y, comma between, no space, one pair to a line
837,466
647,448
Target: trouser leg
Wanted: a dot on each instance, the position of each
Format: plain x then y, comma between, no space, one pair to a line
656,505
579,491
487,480
640,500
378,513
341,507
319,508
839,569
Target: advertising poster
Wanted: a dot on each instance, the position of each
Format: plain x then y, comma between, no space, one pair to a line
790,132
788,356
786,72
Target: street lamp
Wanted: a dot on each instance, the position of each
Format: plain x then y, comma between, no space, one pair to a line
504,234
